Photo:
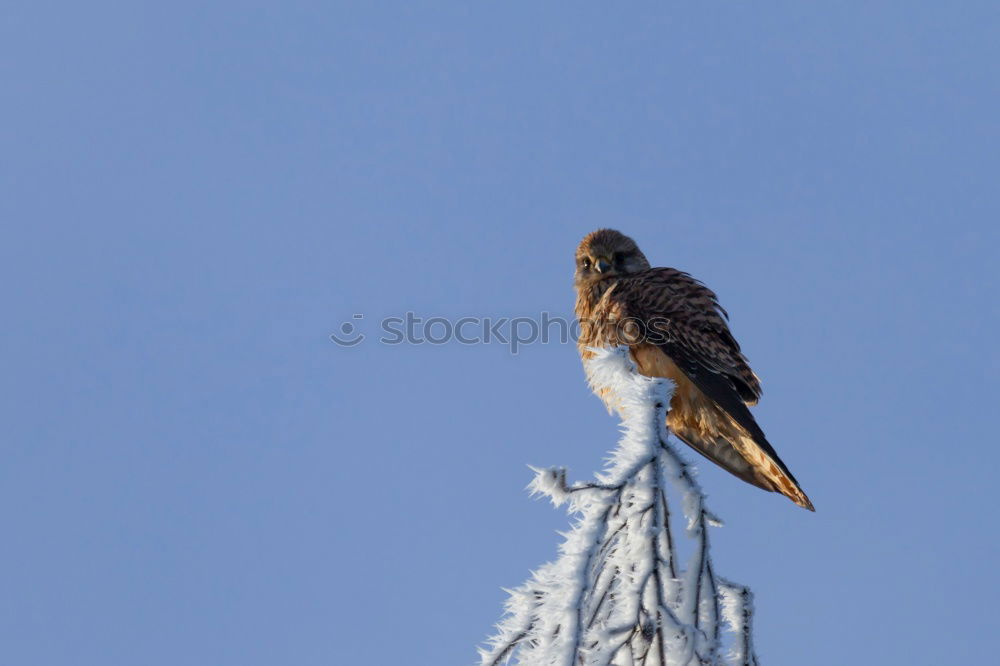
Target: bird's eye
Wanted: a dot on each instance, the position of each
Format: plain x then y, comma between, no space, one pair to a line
586,264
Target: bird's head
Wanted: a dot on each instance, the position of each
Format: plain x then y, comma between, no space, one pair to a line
607,253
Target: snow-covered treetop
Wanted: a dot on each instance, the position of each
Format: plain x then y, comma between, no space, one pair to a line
616,594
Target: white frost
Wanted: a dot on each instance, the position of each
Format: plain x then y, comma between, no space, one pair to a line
616,594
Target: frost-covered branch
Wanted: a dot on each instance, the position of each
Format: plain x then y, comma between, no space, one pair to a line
617,595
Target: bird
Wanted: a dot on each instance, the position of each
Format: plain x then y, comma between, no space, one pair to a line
674,327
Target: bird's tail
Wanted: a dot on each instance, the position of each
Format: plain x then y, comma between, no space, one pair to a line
730,447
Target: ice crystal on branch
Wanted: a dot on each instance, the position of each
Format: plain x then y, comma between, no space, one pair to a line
618,595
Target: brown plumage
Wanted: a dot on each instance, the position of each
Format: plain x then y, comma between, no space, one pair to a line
675,328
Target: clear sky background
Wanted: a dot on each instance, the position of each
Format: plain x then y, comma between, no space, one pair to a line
195,195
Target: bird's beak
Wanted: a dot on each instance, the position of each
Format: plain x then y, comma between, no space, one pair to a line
602,266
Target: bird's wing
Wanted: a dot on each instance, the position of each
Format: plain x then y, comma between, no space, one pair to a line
682,318
681,313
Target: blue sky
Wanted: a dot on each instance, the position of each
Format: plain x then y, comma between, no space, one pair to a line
195,196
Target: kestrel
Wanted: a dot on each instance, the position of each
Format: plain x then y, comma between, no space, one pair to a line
675,328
